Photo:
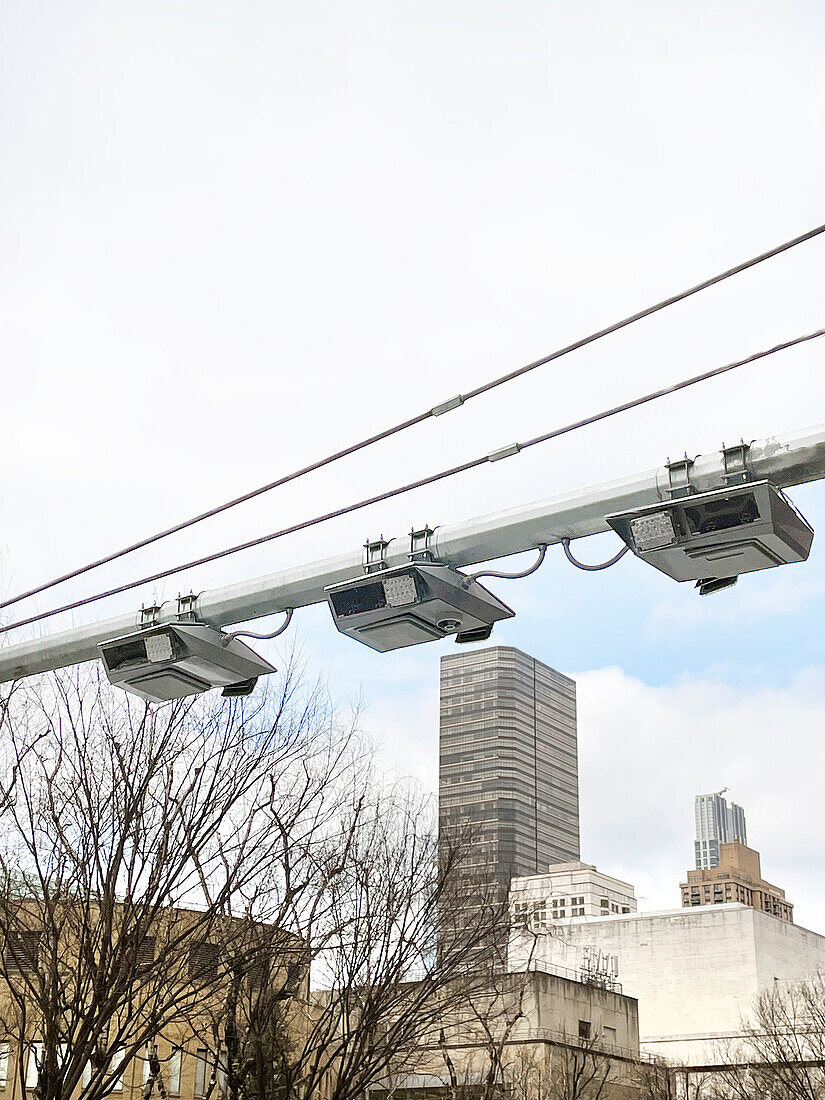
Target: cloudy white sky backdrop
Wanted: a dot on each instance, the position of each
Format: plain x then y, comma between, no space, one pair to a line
234,236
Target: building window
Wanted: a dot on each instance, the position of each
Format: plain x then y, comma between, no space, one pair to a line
609,1036
170,1071
173,1073
584,1029
202,1071
206,1064
520,912
203,962
21,950
34,1063
145,951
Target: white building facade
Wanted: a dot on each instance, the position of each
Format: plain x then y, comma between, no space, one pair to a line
569,890
695,972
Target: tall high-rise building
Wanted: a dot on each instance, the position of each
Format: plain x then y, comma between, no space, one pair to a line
508,763
716,823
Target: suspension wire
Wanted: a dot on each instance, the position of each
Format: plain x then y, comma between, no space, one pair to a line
542,549
565,542
436,410
680,297
430,479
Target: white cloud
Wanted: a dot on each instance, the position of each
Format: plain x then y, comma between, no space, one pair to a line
646,751
780,592
407,734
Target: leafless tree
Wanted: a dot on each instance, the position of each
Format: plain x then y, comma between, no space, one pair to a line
199,864
530,1075
656,1080
781,1054
482,1028
579,1071
136,843
385,923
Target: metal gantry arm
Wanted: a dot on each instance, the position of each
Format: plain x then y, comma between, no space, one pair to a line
783,460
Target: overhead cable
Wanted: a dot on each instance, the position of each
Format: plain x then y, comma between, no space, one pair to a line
437,410
430,479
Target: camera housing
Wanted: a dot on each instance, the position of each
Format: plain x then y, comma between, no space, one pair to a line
159,663
420,602
713,537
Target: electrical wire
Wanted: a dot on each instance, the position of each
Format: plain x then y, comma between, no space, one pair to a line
542,549
565,543
430,479
436,410
227,638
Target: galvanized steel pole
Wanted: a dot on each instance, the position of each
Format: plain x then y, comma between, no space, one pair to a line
784,460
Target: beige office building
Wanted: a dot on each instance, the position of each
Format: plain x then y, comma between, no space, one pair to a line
532,1034
738,877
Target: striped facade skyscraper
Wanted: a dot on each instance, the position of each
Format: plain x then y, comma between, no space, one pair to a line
508,761
717,822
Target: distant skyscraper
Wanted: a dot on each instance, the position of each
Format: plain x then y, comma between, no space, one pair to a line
716,823
508,764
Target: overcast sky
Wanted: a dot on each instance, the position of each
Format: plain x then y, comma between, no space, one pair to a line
234,236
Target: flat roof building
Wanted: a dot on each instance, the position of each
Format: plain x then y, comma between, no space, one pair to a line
537,1030
695,972
736,877
569,890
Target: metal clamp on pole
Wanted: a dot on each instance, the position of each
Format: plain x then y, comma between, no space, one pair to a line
186,610
735,459
678,473
420,545
375,555
149,615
